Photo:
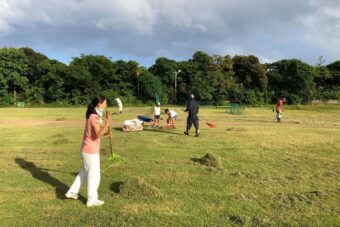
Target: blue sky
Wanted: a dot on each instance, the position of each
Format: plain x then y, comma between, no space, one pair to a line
143,30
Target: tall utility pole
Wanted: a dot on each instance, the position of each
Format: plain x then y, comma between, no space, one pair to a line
178,71
137,74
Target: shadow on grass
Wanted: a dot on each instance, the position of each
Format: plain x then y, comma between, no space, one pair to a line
197,160
58,171
117,129
151,129
271,121
162,131
115,186
43,175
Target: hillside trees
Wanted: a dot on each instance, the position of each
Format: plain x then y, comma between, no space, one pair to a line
26,75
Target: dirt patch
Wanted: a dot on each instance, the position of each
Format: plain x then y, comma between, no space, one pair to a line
137,187
237,129
40,123
60,119
210,160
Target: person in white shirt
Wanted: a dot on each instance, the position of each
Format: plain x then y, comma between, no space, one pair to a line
157,115
120,105
172,116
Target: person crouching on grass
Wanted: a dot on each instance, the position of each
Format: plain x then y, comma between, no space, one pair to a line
90,147
172,116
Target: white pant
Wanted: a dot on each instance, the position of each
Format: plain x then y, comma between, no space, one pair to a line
278,114
90,172
120,107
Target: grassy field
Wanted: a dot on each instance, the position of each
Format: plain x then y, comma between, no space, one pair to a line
284,174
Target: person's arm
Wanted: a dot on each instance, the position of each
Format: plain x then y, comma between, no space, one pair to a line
100,132
187,109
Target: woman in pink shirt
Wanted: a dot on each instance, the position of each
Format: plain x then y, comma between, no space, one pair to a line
90,146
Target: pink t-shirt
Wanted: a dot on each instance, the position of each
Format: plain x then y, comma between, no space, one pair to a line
90,143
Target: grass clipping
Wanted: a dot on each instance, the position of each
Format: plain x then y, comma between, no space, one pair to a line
137,187
210,160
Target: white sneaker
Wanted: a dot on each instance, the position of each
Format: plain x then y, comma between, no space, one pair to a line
71,195
95,203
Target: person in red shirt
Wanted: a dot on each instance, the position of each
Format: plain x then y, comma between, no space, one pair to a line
90,146
279,109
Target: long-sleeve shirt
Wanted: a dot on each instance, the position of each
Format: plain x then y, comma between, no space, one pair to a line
192,108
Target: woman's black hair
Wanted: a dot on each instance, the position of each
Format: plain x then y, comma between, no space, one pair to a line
91,108
166,110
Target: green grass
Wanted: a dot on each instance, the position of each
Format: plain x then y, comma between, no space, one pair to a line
272,174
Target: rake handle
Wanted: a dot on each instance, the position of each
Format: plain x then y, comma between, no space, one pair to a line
108,130
110,144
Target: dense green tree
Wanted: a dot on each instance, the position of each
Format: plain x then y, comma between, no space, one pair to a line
126,78
250,72
211,78
167,71
14,69
150,86
26,75
204,61
292,79
34,59
52,74
5,98
202,86
222,64
334,68
322,77
89,75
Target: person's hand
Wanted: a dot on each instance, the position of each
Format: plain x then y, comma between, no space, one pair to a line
110,135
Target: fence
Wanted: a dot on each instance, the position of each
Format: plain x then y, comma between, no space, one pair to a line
235,108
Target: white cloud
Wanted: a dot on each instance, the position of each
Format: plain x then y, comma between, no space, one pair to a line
151,28
322,30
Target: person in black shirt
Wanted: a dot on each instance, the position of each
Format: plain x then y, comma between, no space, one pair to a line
192,109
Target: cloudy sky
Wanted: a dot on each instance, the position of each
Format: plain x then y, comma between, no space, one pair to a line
143,30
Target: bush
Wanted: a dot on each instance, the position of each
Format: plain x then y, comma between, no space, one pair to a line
294,99
326,95
111,95
6,99
254,97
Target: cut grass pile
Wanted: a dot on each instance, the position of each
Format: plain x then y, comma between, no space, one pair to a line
137,187
210,160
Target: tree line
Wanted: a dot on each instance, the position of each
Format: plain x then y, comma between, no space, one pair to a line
29,76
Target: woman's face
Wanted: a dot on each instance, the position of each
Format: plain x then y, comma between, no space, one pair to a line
102,105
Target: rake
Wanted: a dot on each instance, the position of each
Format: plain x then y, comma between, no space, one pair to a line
114,158
210,124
